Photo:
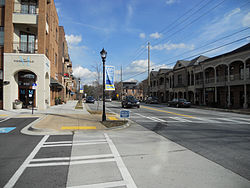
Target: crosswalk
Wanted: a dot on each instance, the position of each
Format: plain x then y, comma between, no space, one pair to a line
179,119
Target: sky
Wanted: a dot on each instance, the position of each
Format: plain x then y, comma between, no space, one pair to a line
175,29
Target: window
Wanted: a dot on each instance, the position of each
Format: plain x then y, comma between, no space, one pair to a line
179,79
27,43
28,6
1,35
55,59
2,2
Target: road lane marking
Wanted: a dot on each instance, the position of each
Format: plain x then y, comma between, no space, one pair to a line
75,144
72,158
102,185
234,121
77,141
180,119
123,169
21,169
156,119
3,115
77,127
167,112
72,162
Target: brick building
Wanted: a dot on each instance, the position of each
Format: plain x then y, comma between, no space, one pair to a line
221,81
31,53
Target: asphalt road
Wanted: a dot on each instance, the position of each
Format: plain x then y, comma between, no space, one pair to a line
221,137
15,148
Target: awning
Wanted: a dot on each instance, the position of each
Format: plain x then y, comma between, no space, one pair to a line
55,83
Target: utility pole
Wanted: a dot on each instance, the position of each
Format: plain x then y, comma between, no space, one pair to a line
121,94
148,68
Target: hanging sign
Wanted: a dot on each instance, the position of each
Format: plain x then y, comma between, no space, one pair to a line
110,78
81,89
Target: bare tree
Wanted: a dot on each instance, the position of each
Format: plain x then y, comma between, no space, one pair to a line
97,68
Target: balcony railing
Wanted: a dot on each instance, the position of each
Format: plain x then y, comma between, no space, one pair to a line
236,77
29,8
199,82
24,47
209,80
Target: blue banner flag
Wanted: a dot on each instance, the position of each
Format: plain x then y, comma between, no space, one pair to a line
110,78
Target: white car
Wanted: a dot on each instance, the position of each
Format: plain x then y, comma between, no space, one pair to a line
108,100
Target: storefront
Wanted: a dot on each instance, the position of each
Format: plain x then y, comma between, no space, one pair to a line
22,71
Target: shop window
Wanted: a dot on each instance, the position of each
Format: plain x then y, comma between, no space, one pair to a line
1,35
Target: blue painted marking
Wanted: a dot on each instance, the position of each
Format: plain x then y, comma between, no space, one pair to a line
6,129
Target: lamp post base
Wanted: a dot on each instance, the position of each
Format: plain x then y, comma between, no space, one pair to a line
103,117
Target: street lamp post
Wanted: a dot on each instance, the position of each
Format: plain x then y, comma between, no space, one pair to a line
103,55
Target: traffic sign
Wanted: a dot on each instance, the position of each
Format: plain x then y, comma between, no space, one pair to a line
34,85
124,114
6,129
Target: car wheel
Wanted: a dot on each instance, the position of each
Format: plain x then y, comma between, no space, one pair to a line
138,106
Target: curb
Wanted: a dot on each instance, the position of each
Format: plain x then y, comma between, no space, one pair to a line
31,130
128,124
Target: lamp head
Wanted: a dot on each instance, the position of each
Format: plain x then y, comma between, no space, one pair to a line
103,54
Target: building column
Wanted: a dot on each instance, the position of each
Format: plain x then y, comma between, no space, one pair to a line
228,87
245,105
190,79
228,97
215,94
204,90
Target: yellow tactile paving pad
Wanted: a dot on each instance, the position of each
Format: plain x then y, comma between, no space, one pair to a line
112,118
77,127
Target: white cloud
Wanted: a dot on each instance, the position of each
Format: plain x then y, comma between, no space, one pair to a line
218,26
170,2
142,35
246,20
169,46
131,80
137,66
73,39
156,35
85,74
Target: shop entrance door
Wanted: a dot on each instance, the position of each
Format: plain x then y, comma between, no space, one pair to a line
27,96
26,93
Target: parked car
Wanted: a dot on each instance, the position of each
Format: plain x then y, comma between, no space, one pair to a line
90,99
152,100
179,103
130,101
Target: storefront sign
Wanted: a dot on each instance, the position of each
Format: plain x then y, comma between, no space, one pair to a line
110,78
24,61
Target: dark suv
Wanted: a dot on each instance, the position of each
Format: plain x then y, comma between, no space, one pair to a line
130,101
90,99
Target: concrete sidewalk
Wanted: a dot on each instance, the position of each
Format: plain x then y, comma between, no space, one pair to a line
138,157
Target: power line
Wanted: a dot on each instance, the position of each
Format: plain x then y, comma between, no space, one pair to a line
195,55
171,28
192,22
142,50
230,35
